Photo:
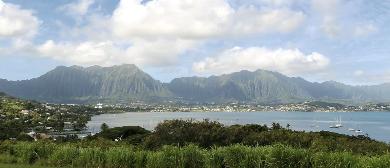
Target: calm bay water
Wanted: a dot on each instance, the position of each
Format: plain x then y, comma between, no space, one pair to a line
374,124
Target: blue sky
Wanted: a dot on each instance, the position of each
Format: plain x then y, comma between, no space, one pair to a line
341,40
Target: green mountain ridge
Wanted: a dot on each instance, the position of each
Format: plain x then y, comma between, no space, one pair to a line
125,83
78,84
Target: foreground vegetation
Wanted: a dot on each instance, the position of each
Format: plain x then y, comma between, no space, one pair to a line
193,144
190,156
208,134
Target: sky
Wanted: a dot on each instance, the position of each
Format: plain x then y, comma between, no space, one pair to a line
340,40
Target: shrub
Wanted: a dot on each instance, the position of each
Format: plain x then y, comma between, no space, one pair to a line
235,155
26,153
192,157
216,158
375,162
120,157
140,158
335,160
8,159
256,157
284,156
154,159
64,156
91,157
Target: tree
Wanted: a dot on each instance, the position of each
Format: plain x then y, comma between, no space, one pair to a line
104,127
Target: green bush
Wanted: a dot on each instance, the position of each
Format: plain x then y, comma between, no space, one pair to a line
8,159
190,156
216,158
64,156
7,147
91,157
120,157
235,155
168,157
375,162
26,153
154,160
193,157
284,156
140,159
44,149
335,160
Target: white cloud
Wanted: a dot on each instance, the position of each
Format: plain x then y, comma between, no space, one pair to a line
358,73
107,53
371,77
329,11
86,53
340,18
198,19
278,3
156,33
287,61
330,26
249,20
77,8
161,52
365,29
16,22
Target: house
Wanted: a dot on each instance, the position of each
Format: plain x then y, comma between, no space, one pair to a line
25,112
49,129
99,106
68,126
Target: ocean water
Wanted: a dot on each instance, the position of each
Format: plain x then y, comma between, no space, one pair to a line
374,124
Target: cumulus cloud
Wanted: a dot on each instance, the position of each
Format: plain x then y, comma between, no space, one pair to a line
156,33
109,53
279,3
329,11
16,22
371,77
287,61
86,53
198,19
365,29
358,73
161,52
77,8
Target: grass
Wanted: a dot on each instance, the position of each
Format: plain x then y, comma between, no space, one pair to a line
20,166
32,155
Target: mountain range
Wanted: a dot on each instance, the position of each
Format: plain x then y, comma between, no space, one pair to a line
124,83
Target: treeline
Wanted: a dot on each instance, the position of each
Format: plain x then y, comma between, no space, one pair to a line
190,156
208,134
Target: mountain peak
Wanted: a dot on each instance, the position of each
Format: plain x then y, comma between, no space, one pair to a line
334,83
127,66
123,67
128,82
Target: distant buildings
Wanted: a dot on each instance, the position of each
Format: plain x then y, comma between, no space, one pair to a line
68,126
99,106
25,112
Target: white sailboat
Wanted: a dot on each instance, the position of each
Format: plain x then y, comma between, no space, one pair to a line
358,131
337,123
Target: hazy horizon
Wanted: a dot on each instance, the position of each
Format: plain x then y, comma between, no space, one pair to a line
334,40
